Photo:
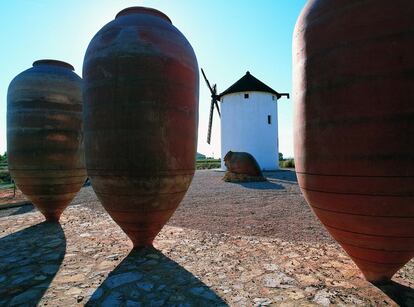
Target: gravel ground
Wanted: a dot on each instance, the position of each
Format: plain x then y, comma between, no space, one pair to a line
253,244
274,208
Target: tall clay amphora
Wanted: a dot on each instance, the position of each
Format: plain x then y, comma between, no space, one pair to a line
354,126
44,135
141,115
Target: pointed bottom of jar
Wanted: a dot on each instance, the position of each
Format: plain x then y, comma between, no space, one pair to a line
141,226
51,208
377,273
142,245
142,240
52,217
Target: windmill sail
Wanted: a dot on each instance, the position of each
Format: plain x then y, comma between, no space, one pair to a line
210,122
214,99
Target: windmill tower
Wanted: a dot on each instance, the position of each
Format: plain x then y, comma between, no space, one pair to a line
248,120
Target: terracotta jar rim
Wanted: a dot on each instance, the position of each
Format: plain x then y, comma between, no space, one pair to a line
53,63
142,10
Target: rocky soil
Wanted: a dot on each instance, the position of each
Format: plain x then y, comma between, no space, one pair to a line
252,244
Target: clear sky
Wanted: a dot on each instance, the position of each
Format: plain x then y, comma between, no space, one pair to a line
229,37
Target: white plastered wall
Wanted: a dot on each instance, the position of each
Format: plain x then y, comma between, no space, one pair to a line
245,127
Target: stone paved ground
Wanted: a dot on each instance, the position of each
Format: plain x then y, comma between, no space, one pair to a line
88,261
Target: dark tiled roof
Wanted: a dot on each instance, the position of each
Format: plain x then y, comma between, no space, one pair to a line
248,83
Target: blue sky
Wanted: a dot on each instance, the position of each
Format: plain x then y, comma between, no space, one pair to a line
229,37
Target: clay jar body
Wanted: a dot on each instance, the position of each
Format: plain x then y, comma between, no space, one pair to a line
354,126
141,114
44,135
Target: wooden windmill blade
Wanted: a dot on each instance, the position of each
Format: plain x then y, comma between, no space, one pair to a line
217,107
214,98
210,121
208,83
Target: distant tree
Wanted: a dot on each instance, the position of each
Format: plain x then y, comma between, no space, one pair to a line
200,156
3,158
280,156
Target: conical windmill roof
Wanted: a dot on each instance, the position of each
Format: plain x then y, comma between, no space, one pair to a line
249,83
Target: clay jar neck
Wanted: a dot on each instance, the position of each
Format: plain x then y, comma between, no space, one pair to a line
143,10
53,63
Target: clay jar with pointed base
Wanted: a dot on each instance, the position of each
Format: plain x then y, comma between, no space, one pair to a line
354,126
44,135
141,113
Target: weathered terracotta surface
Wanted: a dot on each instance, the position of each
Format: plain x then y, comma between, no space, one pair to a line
141,115
241,166
354,126
44,135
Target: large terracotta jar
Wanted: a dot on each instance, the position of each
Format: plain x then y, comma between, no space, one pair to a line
141,115
44,135
354,126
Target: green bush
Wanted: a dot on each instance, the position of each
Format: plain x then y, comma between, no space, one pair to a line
287,163
5,177
208,163
3,158
4,172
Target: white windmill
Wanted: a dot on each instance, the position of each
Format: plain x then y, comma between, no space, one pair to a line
248,120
